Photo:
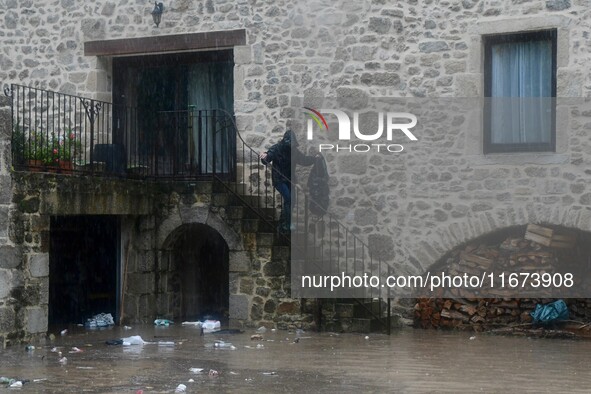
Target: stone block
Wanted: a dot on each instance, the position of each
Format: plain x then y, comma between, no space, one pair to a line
36,319
352,164
380,25
7,319
140,283
147,307
6,283
275,268
569,83
38,264
381,246
238,308
557,5
10,256
5,124
468,85
242,54
365,217
288,308
433,46
239,261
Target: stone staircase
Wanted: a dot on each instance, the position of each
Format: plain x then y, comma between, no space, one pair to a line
253,218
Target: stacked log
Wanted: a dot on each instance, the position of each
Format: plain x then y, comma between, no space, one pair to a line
489,308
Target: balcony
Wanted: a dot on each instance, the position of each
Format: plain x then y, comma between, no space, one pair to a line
59,133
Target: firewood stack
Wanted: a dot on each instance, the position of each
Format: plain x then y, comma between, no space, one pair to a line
466,309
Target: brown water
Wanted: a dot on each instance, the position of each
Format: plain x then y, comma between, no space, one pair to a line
409,361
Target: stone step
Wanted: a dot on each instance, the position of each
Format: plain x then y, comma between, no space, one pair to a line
256,225
281,252
265,239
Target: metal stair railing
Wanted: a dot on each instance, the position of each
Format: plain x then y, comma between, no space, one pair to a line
326,236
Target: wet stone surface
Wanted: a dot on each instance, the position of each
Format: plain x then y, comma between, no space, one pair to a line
408,361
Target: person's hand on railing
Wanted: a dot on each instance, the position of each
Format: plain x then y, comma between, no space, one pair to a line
263,155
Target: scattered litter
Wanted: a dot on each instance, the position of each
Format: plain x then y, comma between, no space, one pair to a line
85,367
53,350
139,392
16,384
196,370
260,346
29,348
181,388
127,328
234,373
100,321
75,350
39,380
51,337
472,338
114,342
213,372
261,330
63,332
367,337
165,343
549,313
191,323
256,337
297,340
4,380
273,329
210,326
299,331
191,381
132,340
63,360
272,373
163,322
223,345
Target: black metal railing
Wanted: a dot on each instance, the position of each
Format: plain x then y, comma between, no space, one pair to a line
56,132
327,245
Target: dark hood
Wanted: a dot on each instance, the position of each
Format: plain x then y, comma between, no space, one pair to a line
290,138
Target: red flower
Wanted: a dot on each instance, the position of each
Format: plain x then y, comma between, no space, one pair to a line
72,136
55,151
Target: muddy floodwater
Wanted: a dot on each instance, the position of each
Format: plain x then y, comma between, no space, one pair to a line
409,361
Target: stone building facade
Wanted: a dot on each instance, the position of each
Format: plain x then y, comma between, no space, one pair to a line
433,200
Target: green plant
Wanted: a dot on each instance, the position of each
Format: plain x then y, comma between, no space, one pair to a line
50,149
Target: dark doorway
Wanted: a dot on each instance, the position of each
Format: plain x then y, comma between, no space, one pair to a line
82,268
173,113
200,256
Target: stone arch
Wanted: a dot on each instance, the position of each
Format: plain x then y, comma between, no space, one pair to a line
197,214
508,252
239,258
439,240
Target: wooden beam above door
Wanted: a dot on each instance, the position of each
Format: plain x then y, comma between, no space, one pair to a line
170,43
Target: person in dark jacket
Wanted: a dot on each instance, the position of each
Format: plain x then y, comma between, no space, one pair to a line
284,160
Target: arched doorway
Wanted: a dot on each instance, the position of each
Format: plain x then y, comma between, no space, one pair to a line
199,258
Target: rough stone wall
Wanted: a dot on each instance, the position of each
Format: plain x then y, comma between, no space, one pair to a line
437,198
368,48
13,318
150,216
